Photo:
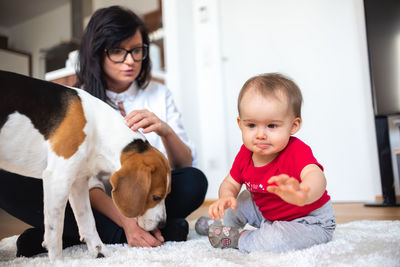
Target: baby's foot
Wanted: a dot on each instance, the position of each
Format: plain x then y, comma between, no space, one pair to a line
223,236
202,225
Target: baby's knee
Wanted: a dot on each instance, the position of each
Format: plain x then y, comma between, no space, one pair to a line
244,197
256,240
244,212
282,237
231,218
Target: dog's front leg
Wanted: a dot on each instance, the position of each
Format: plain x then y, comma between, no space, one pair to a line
55,194
80,204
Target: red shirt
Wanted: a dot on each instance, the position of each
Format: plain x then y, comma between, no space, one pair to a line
290,161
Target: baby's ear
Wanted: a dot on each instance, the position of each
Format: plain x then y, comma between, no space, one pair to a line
295,126
238,122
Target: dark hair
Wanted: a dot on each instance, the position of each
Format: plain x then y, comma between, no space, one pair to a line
107,28
272,83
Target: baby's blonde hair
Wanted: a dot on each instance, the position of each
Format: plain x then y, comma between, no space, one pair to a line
271,84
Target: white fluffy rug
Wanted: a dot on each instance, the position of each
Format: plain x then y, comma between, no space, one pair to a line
359,243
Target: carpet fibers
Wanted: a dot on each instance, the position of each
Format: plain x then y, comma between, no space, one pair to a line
359,243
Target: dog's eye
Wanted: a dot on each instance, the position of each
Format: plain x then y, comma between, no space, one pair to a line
156,198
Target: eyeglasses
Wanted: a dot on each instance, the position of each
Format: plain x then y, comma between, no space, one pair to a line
118,55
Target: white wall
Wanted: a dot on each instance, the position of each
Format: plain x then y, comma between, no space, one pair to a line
321,44
181,78
193,74
15,62
212,107
138,6
41,32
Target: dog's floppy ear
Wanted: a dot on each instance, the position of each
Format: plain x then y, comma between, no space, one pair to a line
168,171
130,189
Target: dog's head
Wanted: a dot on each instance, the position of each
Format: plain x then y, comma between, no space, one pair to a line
142,184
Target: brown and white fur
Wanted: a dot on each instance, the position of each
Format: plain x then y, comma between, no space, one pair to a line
65,136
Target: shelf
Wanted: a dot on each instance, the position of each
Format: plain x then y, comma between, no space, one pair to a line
60,73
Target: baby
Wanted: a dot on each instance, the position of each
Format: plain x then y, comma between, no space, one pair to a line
286,198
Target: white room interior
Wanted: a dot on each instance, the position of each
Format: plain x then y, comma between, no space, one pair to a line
320,44
213,46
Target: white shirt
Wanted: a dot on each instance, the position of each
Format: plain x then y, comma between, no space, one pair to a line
157,99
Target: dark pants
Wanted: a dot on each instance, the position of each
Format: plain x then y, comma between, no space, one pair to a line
22,197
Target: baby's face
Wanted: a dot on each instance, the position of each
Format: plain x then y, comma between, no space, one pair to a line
266,124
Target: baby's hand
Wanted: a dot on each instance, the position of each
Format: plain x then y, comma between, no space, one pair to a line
217,209
289,189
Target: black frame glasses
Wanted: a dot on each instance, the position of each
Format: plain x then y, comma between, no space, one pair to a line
118,55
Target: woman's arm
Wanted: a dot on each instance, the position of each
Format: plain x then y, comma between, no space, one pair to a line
135,235
179,153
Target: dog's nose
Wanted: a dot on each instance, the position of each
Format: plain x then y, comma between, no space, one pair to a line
162,224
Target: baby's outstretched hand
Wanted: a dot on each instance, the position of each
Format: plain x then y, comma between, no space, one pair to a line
289,189
217,209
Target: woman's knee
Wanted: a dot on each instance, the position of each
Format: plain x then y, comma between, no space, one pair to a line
200,180
190,181
199,185
189,187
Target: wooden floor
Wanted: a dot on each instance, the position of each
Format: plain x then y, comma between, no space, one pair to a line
345,212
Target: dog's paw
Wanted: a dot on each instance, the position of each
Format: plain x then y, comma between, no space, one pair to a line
95,246
99,251
102,251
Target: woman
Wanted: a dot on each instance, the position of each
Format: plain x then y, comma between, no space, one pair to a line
115,67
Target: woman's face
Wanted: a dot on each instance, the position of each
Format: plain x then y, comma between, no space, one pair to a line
119,76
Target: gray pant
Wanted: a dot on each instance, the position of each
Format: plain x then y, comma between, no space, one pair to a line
280,236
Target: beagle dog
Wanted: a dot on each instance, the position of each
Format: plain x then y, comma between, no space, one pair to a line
65,136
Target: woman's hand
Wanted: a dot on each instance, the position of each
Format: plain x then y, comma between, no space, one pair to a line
137,237
179,154
289,189
148,121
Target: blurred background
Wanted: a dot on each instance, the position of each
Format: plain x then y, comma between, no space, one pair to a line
204,50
